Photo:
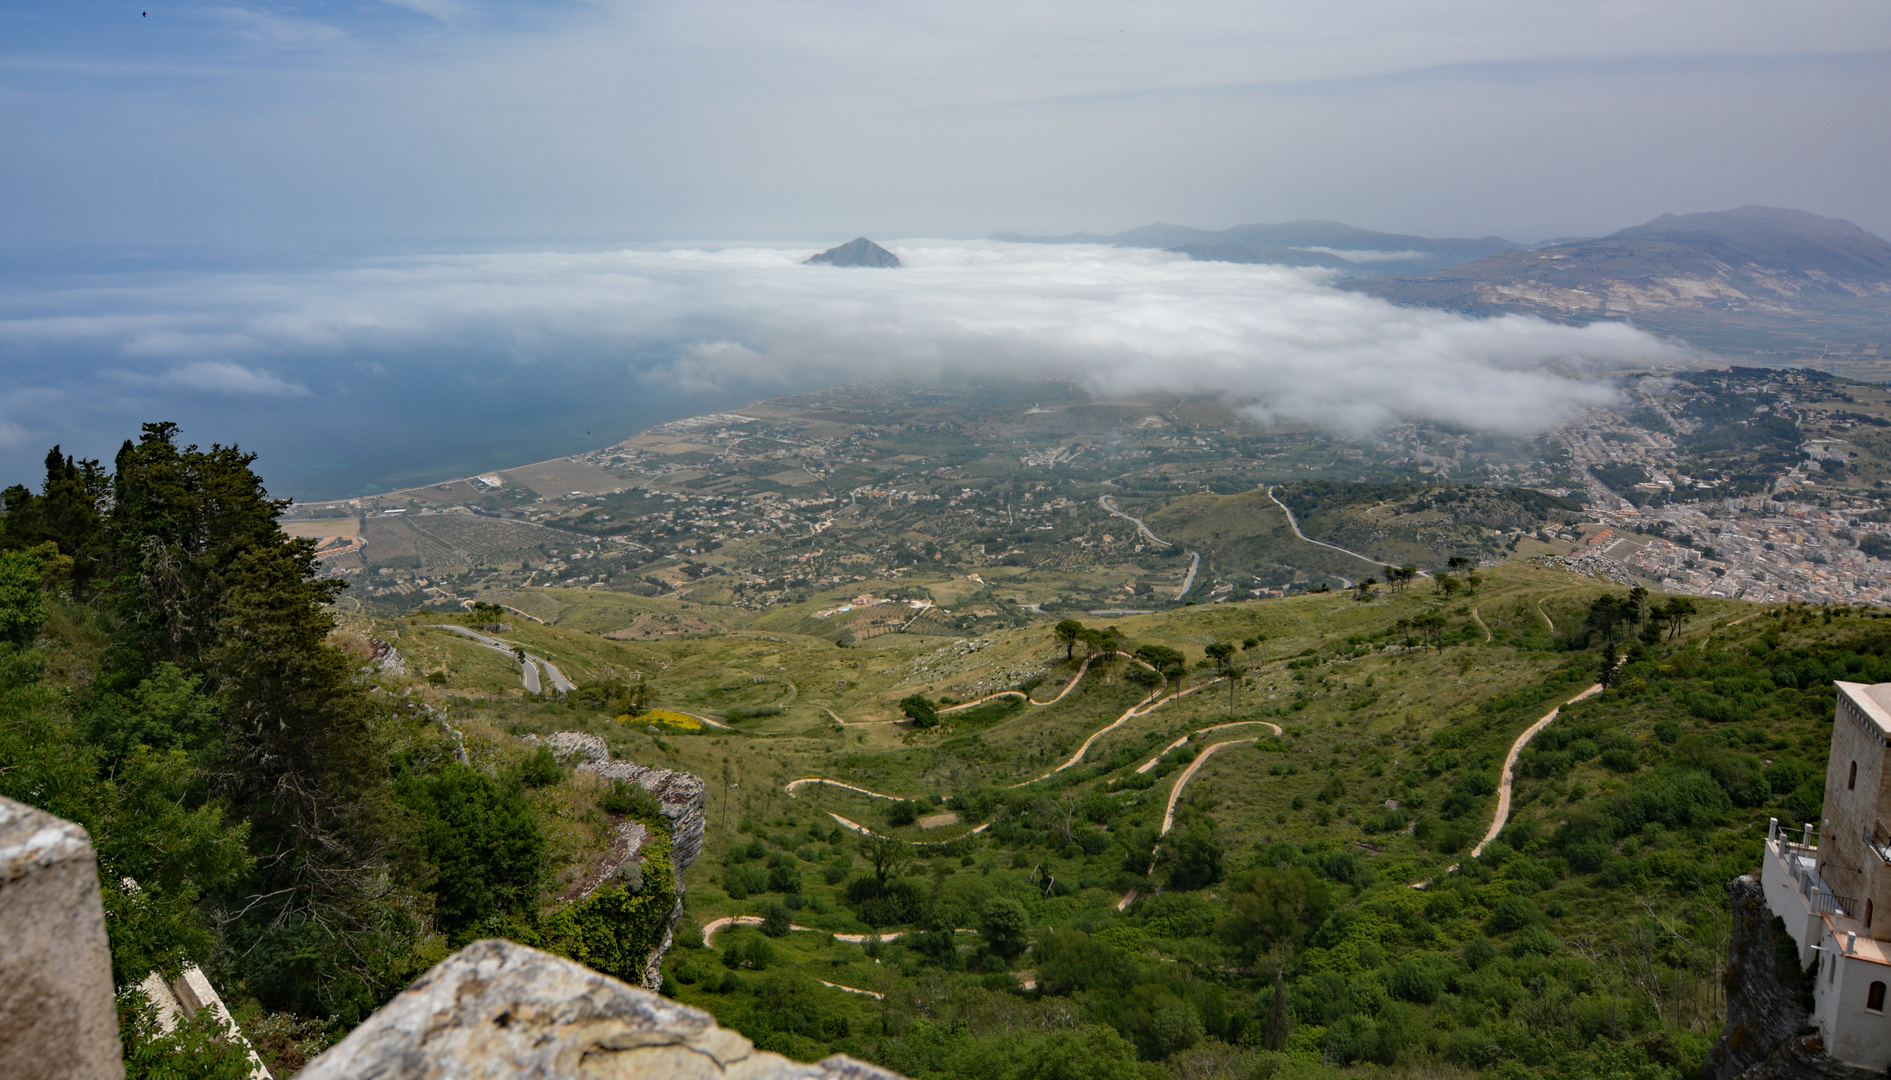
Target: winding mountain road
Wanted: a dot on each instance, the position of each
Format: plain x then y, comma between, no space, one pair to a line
1293,524
1195,557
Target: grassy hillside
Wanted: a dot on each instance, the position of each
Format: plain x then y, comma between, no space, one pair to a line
1120,869
1583,941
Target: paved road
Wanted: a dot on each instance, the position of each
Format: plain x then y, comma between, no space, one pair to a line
1295,525
1109,504
1194,564
559,682
532,662
1195,557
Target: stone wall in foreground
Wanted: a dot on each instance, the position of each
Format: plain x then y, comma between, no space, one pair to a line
58,1019
499,1009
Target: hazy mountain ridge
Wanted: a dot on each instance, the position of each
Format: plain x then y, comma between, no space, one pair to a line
1754,260
1329,244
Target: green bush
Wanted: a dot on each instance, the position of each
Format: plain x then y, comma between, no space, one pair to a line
615,930
484,845
626,798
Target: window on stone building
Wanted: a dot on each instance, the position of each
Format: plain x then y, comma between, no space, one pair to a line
1874,998
1867,914
1851,779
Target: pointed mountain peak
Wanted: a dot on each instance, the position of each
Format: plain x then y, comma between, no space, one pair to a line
857,252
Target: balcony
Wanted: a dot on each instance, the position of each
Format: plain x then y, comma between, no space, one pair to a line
1879,841
1802,866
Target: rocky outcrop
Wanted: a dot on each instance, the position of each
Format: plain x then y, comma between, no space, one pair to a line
569,746
57,1016
682,798
1769,999
1802,1058
858,252
499,1009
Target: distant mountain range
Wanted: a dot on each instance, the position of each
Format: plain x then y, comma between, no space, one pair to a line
1779,283
1755,259
1355,251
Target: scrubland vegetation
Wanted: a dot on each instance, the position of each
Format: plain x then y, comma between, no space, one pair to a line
271,802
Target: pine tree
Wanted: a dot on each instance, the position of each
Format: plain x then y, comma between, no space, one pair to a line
1280,1020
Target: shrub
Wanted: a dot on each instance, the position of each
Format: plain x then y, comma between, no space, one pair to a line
784,879
1175,1027
740,881
483,842
903,812
1420,979
919,710
776,921
1005,926
1536,941
753,953
1513,913
632,800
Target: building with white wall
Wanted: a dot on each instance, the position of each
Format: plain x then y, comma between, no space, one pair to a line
1831,892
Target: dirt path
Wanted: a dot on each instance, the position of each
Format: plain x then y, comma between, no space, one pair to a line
1510,768
710,720
1547,621
1175,793
1479,620
963,705
1151,763
1142,708
1504,788
792,784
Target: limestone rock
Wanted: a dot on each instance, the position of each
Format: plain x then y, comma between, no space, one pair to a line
681,795
682,798
496,1009
569,746
57,1016
858,252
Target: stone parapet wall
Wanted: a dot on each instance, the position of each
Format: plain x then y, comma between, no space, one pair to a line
58,1019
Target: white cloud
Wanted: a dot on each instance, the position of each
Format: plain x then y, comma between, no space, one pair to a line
1275,342
269,28
223,377
1360,256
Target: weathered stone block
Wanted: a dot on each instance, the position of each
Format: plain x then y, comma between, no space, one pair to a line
496,1009
57,1016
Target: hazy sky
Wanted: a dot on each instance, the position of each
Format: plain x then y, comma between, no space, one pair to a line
161,126
382,242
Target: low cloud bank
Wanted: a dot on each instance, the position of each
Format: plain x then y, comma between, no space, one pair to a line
1276,343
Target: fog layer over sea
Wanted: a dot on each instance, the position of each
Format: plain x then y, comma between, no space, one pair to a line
350,379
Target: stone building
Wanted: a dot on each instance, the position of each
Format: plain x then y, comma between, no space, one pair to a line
1833,889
